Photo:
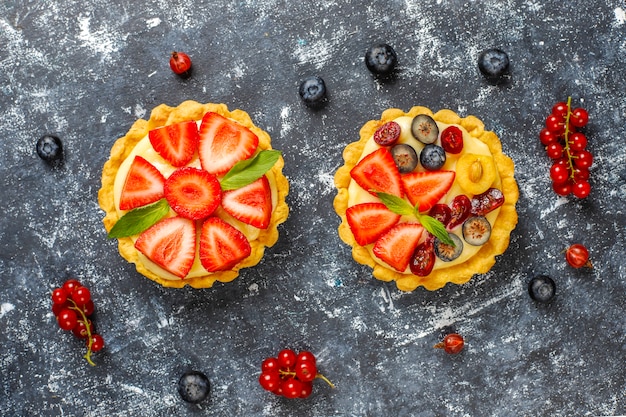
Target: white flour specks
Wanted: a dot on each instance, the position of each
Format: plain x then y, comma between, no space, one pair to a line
620,16
285,120
140,111
5,308
101,41
317,50
154,22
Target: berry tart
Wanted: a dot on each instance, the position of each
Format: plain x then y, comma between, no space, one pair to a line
426,199
194,194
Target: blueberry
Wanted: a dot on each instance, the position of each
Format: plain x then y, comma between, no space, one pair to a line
405,157
313,90
541,288
432,157
448,253
493,63
49,148
193,386
381,59
424,128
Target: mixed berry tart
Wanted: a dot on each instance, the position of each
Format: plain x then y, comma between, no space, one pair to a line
426,199
194,194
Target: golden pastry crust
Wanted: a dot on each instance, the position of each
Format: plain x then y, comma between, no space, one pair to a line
165,115
501,229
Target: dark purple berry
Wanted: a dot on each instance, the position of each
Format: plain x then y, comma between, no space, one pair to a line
493,63
405,157
381,59
49,148
193,387
313,90
541,288
432,157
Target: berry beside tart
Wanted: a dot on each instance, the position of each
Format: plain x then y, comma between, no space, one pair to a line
426,199
194,194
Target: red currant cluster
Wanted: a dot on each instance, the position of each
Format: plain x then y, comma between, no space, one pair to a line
290,375
566,146
453,343
72,306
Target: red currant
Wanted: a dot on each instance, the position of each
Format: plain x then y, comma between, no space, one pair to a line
307,389
286,358
270,364
180,63
82,329
547,136
270,380
67,319
69,285
563,189
583,159
580,174
87,308
560,109
555,124
554,150
577,256
559,173
97,342
291,387
577,141
59,296
57,308
306,371
579,117
305,355
452,343
81,295
581,189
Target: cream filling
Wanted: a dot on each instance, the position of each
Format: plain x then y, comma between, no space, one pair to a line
144,149
472,145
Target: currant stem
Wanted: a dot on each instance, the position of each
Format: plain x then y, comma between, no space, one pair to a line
317,376
87,355
570,157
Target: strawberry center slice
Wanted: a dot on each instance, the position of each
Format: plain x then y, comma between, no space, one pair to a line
193,193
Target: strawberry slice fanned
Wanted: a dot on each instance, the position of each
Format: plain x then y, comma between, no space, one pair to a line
378,172
396,247
251,204
223,143
171,244
428,187
368,221
143,185
221,245
176,143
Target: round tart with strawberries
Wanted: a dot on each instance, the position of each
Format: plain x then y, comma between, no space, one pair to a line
194,194
426,199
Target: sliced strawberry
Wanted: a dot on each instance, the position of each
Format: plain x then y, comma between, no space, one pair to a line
193,193
378,172
428,187
171,244
176,143
223,143
143,185
368,221
221,245
251,204
396,247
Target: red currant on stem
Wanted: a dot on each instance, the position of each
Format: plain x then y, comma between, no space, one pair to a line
452,343
577,256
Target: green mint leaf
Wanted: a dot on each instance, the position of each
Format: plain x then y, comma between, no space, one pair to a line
436,228
249,170
139,219
396,204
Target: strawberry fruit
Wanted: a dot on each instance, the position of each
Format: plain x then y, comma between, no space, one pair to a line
193,193
378,172
428,187
396,247
251,204
171,244
143,185
368,221
176,143
221,245
223,143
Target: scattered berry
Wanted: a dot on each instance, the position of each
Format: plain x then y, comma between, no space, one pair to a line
290,375
493,64
180,63
312,90
542,288
194,387
577,256
452,343
72,305
49,148
381,59
567,148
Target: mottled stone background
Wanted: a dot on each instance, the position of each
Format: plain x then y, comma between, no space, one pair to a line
86,70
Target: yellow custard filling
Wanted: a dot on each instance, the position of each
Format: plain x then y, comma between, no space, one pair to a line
472,145
144,149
